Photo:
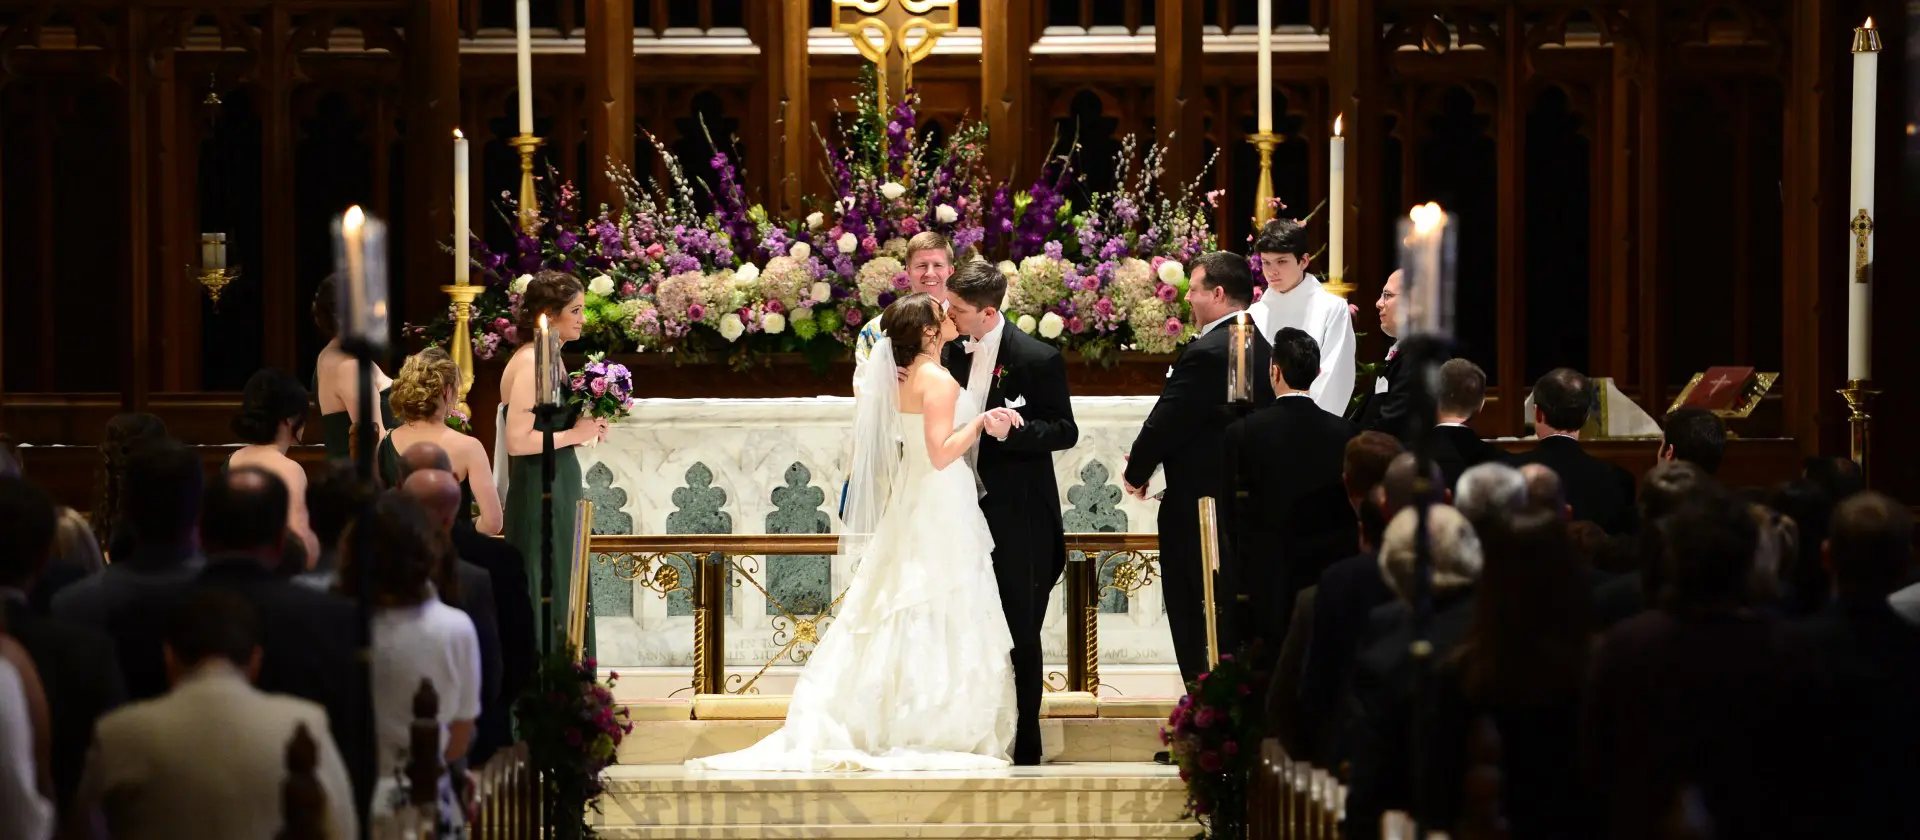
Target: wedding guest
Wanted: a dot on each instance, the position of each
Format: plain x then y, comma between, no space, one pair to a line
159,526
1599,491
460,584
273,415
75,662
423,396
1695,435
209,758
416,637
562,300
1668,486
1490,492
333,504
929,262
125,433
26,786
1456,446
336,375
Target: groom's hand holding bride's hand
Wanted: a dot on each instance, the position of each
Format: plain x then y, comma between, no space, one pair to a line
1000,421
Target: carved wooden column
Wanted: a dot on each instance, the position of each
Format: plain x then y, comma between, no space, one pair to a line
276,188
1511,249
176,294
1006,77
609,97
432,112
136,77
1650,328
782,103
1354,92
1805,217
1180,101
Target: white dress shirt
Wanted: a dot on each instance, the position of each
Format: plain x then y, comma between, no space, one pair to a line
1221,320
1324,315
985,354
24,813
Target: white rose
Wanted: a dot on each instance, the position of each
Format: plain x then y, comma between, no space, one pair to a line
891,190
845,203
773,322
1171,272
847,243
800,251
945,214
1027,324
730,327
746,273
1008,268
820,291
816,220
601,286
519,286
1051,326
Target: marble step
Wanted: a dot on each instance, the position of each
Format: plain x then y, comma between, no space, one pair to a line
1054,831
671,742
1070,800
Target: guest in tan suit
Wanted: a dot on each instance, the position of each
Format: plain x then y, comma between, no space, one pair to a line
208,759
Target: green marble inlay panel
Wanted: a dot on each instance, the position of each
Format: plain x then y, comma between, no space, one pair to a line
802,583
611,595
1094,507
697,510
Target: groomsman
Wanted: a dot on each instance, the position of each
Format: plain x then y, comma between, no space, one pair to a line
1390,407
1294,519
1456,446
1184,434
1003,368
1296,299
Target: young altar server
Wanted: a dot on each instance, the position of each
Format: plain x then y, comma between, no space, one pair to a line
1296,299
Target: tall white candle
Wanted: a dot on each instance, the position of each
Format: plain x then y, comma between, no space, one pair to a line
1866,66
353,231
523,52
543,384
1266,66
461,223
1337,203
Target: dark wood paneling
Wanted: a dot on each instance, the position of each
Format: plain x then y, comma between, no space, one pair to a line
69,473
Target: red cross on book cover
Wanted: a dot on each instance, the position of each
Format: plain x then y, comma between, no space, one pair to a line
1719,389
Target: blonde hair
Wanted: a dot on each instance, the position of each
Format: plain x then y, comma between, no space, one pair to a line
422,384
1455,547
929,240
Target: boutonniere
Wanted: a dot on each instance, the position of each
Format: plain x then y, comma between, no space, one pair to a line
999,374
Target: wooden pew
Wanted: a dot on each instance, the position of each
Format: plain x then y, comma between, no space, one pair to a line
303,804
508,802
1293,800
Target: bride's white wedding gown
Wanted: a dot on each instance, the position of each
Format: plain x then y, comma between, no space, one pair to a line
915,672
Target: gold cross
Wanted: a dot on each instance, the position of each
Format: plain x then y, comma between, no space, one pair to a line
1721,382
1862,228
880,29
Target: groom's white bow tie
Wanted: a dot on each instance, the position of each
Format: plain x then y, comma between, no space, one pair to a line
970,345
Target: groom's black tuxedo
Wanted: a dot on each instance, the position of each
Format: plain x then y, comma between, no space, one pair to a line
1185,432
1022,502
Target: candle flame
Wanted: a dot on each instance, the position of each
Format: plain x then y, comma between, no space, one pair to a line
543,323
354,218
458,136
1868,24
1336,123
1427,218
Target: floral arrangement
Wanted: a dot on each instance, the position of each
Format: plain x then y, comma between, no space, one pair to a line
573,731
1213,734
664,275
601,388
458,421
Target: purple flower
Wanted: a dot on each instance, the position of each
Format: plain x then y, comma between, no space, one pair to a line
1053,250
1210,762
853,316
1075,325
696,312
565,241
1166,293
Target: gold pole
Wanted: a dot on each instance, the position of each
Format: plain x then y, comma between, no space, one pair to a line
463,295
529,197
580,589
1083,664
1209,566
1263,192
1859,395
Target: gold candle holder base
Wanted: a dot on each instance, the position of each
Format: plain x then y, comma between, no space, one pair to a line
1859,395
529,197
463,295
1338,286
1265,142
214,281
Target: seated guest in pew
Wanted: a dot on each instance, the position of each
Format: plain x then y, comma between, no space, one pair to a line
1705,692
26,782
1694,435
1456,446
208,759
158,529
75,662
1598,491
1381,701
1294,519
1872,657
1488,492
1808,587
333,503
1666,488
309,641
462,585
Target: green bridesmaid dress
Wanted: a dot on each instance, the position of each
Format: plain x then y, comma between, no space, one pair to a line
387,460
336,429
523,525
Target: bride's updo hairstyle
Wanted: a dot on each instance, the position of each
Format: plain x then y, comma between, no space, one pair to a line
906,322
547,294
272,396
422,385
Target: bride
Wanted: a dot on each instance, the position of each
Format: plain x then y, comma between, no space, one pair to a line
915,672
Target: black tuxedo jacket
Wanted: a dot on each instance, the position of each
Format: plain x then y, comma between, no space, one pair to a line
1292,516
1023,500
1391,412
76,665
1598,491
1186,430
513,612
1457,449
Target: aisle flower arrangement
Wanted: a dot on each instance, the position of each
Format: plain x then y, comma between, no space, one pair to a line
666,275
570,723
1214,736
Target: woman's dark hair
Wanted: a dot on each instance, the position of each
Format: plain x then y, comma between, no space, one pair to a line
547,293
1531,622
906,322
406,550
1709,553
326,303
1806,502
272,396
333,501
126,433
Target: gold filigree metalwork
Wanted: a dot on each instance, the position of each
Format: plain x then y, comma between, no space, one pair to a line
1056,681
1136,570
650,570
796,634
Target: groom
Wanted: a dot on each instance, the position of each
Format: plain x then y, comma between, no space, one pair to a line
1003,368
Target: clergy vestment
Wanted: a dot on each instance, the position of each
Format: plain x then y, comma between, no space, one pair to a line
1325,316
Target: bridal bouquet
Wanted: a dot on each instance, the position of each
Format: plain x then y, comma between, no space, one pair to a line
602,389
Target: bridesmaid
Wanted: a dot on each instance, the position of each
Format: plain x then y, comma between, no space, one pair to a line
423,396
273,414
334,375
561,298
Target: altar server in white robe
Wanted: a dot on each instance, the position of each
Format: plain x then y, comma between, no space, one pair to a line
1296,299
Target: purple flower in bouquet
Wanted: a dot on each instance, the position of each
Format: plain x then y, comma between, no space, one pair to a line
566,241
853,317
696,312
1206,717
1054,250
1166,293
1210,762
908,227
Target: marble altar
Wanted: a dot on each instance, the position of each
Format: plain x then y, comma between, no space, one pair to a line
749,466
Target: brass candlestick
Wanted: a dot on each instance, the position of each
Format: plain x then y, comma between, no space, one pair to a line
214,281
463,295
1264,141
1859,395
529,197
1209,567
